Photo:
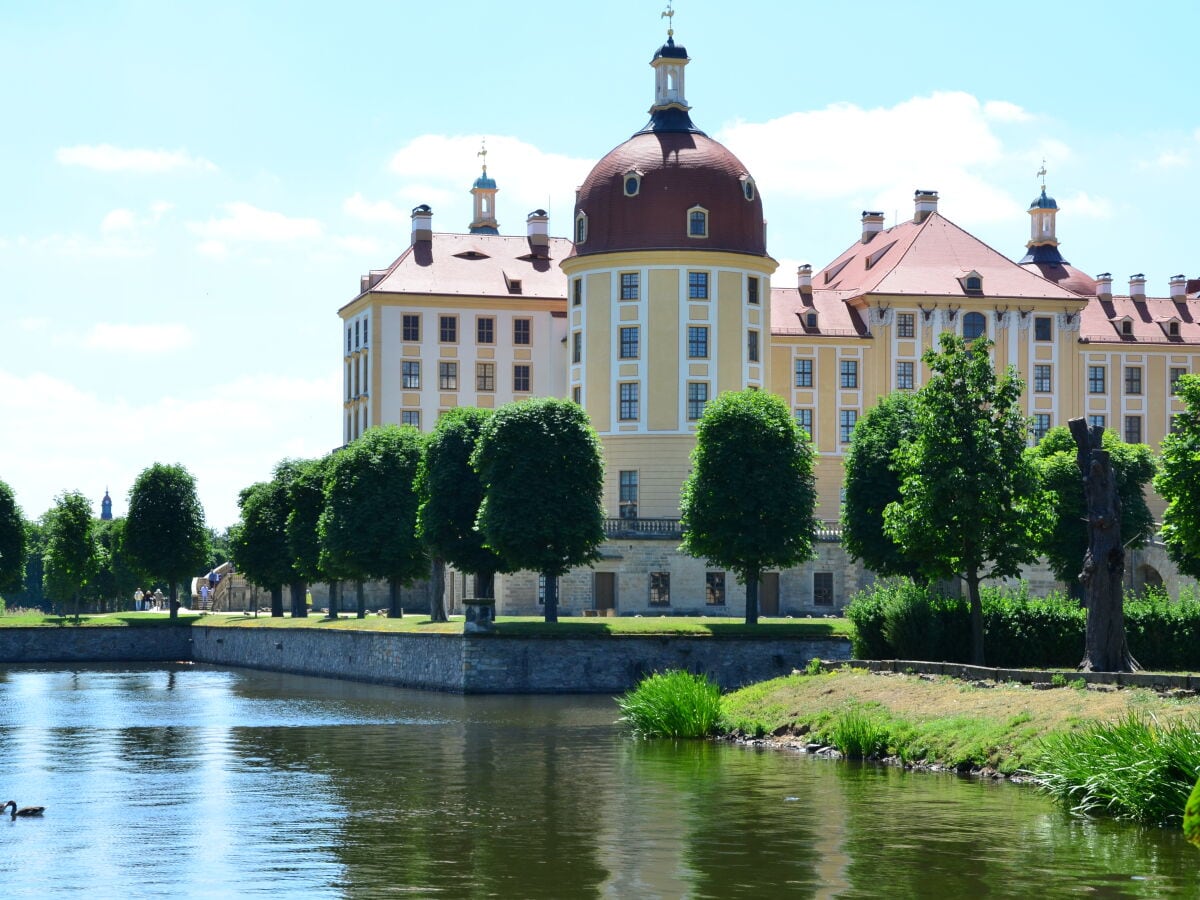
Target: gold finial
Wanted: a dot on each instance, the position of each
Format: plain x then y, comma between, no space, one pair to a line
483,152
1042,174
669,15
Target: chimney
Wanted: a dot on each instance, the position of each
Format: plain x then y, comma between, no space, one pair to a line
872,224
1178,288
926,203
364,283
1137,287
537,224
1104,286
422,223
804,279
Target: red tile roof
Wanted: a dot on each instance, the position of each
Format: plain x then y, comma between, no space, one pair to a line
1101,320
834,317
476,265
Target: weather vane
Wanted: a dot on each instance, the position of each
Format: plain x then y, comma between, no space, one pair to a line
669,15
483,152
1042,174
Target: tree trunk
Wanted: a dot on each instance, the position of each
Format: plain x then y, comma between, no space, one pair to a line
173,593
1105,646
361,596
485,585
972,579
437,591
752,579
277,601
551,597
394,610
76,598
299,591
333,598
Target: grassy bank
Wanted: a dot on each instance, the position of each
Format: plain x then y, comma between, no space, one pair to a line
520,626
941,720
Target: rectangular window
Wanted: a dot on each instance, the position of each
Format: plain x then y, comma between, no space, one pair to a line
904,375
542,589
357,344
411,327
697,399
714,588
697,342
1133,379
485,330
410,417
576,346
521,378
697,285
752,346
485,376
1133,429
751,290
1096,379
628,401
448,376
1042,379
410,375
577,292
630,288
1176,374
349,341
906,325
847,418
849,373
804,420
660,588
577,394
1096,420
804,373
1041,424
521,331
628,497
366,332
1041,328
822,589
629,342
448,329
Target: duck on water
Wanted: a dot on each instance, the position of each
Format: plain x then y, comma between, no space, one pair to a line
24,811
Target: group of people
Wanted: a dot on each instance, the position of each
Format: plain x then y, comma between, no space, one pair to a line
147,600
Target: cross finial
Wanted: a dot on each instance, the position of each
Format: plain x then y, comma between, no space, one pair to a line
1042,174
483,152
669,15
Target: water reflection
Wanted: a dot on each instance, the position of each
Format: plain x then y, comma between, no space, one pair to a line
191,781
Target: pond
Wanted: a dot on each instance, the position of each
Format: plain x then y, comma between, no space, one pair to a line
191,781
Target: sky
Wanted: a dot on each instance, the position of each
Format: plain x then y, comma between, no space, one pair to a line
189,191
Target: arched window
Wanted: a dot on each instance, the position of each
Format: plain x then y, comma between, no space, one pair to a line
581,228
974,325
697,222
747,187
633,183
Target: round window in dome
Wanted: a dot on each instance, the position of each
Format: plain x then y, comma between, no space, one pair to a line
633,185
748,187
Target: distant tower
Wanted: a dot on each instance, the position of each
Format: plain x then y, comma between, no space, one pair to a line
1043,240
106,507
484,191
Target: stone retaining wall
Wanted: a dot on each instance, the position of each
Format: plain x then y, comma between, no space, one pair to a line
1154,680
69,644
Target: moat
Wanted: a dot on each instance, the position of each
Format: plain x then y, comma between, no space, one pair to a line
195,781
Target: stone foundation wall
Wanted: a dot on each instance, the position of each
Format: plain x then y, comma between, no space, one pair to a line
69,644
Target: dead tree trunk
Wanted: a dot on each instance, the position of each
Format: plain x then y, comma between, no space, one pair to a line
1105,647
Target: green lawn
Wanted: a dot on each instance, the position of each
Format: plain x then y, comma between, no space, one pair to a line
125,619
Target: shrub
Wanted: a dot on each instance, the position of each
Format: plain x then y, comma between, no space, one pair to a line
859,734
865,610
672,704
1132,769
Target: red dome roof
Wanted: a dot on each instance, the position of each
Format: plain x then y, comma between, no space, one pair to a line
679,170
1066,276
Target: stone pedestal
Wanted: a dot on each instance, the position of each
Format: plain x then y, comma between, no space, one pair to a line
481,615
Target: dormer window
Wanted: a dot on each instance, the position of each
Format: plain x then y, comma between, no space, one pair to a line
697,222
1127,327
810,320
633,183
972,282
581,227
747,187
1173,329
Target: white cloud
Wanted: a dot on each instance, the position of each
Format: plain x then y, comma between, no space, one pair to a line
112,245
213,249
1167,159
33,323
1003,111
1087,207
148,338
359,207
364,246
244,222
118,220
107,158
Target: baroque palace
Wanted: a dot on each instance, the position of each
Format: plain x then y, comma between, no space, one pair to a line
663,298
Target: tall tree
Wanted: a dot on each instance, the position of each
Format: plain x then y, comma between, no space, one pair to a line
306,501
12,541
542,472
70,547
259,542
369,525
450,494
164,528
872,482
1065,543
971,503
114,579
748,503
1178,481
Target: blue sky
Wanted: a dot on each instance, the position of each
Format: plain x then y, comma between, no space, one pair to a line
191,190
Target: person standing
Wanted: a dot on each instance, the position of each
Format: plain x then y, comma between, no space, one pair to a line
137,599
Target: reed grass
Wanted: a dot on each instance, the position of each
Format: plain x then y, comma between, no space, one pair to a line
858,733
672,704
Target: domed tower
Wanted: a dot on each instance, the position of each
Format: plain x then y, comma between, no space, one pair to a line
1042,254
106,507
669,294
483,191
